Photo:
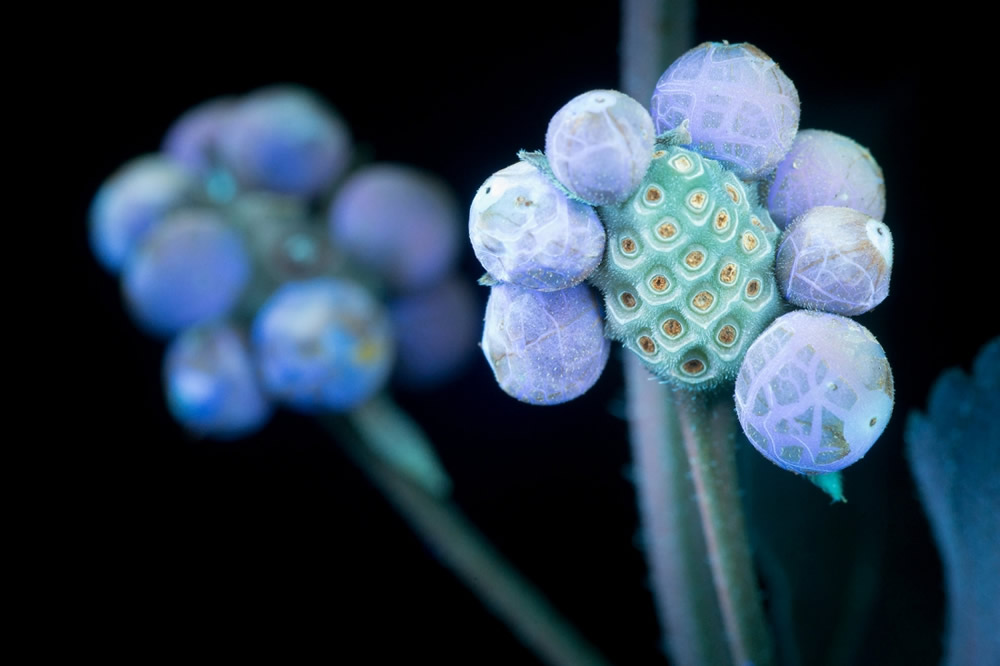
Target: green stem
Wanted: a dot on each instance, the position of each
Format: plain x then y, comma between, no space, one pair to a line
654,34
707,432
671,531
460,546
391,434
696,540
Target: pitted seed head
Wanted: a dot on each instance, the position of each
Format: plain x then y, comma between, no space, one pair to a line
687,275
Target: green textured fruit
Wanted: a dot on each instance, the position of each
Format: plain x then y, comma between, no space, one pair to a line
688,270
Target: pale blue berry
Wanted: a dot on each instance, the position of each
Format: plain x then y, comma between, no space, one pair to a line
836,260
814,392
398,221
742,109
191,268
525,231
544,347
436,330
285,139
599,145
211,384
322,344
825,169
131,202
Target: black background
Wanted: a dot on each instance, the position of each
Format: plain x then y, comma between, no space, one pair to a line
276,544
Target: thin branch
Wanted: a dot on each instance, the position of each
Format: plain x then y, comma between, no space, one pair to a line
654,34
671,532
707,432
461,547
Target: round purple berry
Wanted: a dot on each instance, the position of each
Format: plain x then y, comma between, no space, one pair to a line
191,268
285,139
545,348
211,384
525,231
398,221
436,331
742,109
814,392
599,145
836,260
192,140
322,344
825,169
131,202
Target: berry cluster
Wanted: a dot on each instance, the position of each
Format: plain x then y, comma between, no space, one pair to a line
277,275
699,223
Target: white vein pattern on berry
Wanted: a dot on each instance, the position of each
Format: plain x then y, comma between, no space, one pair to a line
836,260
821,419
535,356
526,231
599,146
709,85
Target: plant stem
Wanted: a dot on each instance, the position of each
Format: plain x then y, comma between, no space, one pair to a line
460,546
654,34
671,533
703,577
707,433
391,434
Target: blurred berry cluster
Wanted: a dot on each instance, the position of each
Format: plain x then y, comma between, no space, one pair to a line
277,273
699,223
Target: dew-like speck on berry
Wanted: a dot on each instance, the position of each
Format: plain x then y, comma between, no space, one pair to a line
825,169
